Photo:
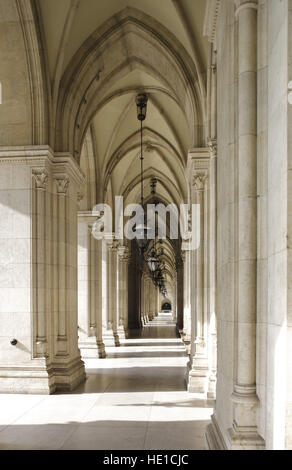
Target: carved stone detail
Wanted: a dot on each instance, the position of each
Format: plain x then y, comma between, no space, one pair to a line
62,184
212,144
200,180
40,176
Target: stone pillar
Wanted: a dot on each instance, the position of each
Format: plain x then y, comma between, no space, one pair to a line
25,209
113,289
174,306
106,330
153,300
67,364
142,300
198,365
157,301
89,289
149,298
244,432
212,338
180,295
36,190
123,254
186,313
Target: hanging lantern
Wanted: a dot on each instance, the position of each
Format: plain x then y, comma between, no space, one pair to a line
141,236
141,102
153,262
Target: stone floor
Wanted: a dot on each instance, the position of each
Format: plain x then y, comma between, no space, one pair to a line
134,399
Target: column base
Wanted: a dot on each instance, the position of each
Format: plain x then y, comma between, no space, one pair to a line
116,339
213,437
68,375
237,438
108,337
196,378
244,432
243,439
27,379
91,349
101,349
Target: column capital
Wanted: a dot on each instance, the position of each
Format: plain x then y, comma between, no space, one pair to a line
40,176
62,182
124,253
198,163
200,180
212,144
112,244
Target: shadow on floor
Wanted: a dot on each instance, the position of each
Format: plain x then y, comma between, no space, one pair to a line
109,435
159,353
133,379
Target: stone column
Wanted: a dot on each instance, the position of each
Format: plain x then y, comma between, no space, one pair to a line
149,298
104,286
39,345
212,339
89,289
156,301
180,295
67,364
245,401
142,300
25,267
123,254
186,314
113,289
153,300
174,306
198,365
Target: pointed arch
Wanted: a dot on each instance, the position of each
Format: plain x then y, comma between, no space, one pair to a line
127,40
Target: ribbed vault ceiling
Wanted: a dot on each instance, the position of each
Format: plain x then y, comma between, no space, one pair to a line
114,129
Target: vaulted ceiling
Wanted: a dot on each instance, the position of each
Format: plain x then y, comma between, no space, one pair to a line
68,23
114,128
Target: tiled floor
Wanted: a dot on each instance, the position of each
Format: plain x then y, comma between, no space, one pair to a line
134,399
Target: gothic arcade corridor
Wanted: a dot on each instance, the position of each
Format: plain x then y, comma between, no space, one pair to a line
136,398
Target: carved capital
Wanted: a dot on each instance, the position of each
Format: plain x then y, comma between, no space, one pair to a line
112,244
200,180
62,183
124,253
40,176
212,144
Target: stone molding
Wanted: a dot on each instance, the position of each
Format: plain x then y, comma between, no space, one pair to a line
211,18
40,156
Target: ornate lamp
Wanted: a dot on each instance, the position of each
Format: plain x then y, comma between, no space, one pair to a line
141,103
153,262
141,229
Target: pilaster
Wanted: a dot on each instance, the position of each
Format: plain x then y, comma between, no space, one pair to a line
199,175
45,355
